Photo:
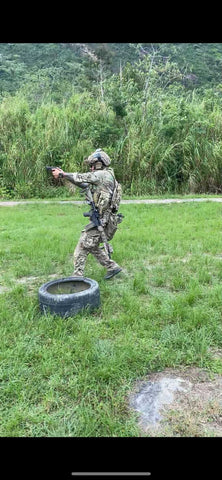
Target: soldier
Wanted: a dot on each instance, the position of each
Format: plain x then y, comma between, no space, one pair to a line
102,183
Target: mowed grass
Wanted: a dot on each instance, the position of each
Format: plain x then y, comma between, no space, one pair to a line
72,377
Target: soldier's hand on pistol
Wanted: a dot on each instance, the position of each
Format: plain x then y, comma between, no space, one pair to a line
56,171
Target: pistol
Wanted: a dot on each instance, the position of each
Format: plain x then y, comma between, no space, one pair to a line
52,168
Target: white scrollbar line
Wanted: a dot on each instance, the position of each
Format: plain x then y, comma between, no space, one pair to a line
135,474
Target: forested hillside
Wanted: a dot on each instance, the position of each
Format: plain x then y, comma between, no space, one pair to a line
155,108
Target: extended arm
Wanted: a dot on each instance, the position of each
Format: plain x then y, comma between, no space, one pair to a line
77,178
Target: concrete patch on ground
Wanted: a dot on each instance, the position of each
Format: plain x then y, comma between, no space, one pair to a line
179,403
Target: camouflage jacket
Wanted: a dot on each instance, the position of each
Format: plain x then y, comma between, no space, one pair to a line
102,184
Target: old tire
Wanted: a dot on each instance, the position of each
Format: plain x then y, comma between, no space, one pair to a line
53,296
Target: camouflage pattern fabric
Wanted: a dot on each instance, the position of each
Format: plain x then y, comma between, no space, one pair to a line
102,185
101,180
89,243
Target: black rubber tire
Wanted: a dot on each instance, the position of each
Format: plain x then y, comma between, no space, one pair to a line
68,305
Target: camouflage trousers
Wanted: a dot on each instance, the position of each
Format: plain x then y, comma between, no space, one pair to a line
89,243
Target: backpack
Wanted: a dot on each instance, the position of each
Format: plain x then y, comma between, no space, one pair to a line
105,206
116,197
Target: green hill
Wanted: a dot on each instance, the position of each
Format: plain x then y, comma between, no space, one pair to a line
200,63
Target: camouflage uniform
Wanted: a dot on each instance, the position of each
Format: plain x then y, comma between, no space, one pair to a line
102,185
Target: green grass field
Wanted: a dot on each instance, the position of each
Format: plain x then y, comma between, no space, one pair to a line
72,377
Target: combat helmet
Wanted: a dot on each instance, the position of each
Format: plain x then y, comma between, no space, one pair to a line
99,156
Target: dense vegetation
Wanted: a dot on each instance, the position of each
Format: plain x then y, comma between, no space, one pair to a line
156,109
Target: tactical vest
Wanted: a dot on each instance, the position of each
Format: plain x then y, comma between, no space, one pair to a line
103,192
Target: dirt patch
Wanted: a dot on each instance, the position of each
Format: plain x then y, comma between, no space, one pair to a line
30,282
179,403
3,289
26,279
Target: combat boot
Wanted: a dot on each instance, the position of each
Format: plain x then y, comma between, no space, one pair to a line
111,273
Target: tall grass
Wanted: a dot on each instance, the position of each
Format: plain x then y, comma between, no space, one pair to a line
161,137
176,149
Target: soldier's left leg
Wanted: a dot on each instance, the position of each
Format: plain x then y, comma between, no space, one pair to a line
89,243
80,255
